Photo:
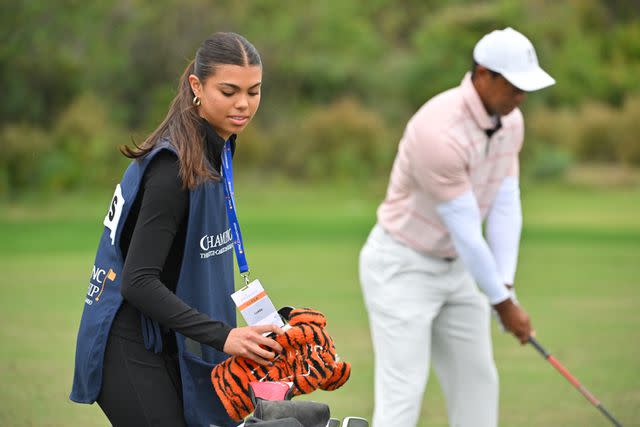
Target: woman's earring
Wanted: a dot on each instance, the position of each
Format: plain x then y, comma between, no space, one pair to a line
196,101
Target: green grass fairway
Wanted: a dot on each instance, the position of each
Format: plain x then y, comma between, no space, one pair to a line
579,278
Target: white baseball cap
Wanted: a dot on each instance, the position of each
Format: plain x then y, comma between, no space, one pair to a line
511,54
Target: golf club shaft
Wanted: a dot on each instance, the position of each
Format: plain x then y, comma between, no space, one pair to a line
573,380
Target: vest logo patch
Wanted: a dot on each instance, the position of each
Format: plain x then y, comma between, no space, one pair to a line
99,277
112,218
216,244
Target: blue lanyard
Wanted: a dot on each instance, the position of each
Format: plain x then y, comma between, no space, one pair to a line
227,176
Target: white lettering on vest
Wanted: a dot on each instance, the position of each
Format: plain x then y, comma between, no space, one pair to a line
112,218
210,242
97,281
92,290
98,274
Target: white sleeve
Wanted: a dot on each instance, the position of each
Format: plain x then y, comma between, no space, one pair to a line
462,218
503,228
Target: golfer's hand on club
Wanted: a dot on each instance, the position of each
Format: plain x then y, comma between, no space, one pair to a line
515,319
249,342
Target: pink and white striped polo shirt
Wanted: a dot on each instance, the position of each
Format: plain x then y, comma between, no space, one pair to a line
443,153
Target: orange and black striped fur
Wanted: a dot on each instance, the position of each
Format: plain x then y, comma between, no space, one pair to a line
308,360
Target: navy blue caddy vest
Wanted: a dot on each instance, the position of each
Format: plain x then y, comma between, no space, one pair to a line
205,283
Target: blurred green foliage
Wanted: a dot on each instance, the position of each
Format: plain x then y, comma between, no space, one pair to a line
341,78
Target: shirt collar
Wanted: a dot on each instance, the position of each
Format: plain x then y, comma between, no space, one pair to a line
214,144
474,104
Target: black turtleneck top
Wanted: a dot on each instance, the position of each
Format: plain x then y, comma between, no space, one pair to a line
152,243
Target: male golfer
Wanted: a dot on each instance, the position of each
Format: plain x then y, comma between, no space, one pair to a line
457,165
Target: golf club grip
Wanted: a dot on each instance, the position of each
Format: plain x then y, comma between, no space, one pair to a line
538,347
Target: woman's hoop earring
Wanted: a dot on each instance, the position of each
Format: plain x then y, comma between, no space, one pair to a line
196,101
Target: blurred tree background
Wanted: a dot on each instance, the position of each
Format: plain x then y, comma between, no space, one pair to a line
341,78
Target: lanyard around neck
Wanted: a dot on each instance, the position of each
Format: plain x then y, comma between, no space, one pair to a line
230,204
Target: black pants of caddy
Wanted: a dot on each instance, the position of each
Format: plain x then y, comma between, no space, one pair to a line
140,388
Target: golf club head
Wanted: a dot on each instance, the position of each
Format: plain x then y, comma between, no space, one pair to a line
355,422
333,423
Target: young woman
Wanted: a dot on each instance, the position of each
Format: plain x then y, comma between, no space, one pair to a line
158,313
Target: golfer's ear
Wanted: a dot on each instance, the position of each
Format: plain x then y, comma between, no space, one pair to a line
481,70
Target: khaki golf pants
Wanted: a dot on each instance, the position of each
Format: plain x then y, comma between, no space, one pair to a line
424,309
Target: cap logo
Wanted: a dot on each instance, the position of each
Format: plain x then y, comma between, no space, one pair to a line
531,56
